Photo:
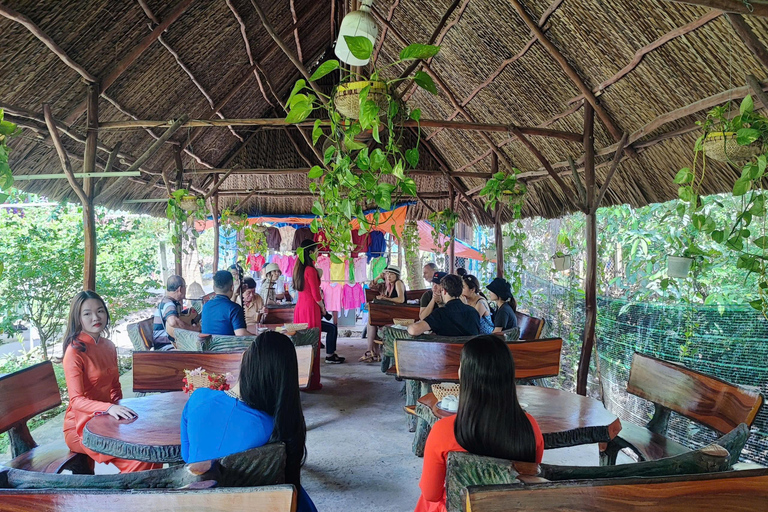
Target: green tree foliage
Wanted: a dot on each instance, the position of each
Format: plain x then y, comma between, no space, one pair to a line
42,257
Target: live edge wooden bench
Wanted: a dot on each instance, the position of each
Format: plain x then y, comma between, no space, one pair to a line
674,388
277,498
23,395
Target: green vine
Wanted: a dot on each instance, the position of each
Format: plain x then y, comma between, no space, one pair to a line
254,241
443,223
178,212
505,189
411,243
7,130
354,177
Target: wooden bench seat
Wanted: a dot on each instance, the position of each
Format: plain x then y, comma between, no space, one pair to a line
711,402
277,498
23,395
530,327
141,334
279,314
729,491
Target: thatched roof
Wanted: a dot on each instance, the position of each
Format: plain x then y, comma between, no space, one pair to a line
644,59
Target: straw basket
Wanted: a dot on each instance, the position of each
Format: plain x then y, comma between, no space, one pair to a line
403,321
347,98
189,203
444,389
199,378
722,146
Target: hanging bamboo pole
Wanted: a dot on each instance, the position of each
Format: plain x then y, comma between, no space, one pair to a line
452,247
215,216
89,165
177,248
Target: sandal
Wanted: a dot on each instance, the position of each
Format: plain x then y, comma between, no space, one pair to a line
368,357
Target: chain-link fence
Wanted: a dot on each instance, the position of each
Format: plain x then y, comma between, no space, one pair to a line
727,342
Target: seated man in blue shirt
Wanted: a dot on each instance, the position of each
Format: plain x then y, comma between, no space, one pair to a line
453,319
220,314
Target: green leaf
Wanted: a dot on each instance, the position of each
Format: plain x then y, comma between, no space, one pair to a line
419,51
741,187
359,46
297,98
317,132
685,194
758,206
347,208
412,156
328,156
299,85
317,208
315,172
747,105
299,112
416,114
698,221
369,114
334,258
377,159
761,242
684,176
425,81
735,243
747,136
362,161
408,186
397,170
324,68
757,304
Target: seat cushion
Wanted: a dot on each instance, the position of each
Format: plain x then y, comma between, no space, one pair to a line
648,445
51,458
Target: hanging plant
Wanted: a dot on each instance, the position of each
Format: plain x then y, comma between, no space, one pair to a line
254,241
7,130
443,223
178,212
746,236
360,109
505,189
411,243
563,257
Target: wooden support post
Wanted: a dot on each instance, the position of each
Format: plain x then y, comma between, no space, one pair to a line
215,216
590,284
177,248
89,165
497,230
452,247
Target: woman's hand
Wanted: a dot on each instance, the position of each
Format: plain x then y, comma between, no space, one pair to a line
120,412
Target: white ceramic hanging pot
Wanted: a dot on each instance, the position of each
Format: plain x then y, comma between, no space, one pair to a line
678,266
562,262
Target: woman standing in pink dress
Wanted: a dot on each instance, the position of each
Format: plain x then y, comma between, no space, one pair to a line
309,305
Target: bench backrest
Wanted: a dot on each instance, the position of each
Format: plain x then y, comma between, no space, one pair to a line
437,361
530,327
276,498
465,469
141,334
208,296
700,397
282,314
370,294
724,492
381,314
164,371
26,393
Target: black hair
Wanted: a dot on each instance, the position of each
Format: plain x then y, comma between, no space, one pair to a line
308,247
269,382
249,283
452,285
432,265
75,326
222,281
461,272
473,284
490,421
174,283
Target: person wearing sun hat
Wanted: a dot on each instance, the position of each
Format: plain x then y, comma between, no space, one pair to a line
272,286
394,292
500,292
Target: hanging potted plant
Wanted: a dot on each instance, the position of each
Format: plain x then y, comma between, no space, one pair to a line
735,140
443,223
355,177
563,257
179,212
7,130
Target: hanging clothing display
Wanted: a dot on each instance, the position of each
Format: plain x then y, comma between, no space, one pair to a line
324,263
300,235
353,296
286,238
361,243
377,245
337,272
322,241
377,267
332,296
255,262
273,239
361,266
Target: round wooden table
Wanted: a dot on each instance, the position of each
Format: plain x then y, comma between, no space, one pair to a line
152,437
565,419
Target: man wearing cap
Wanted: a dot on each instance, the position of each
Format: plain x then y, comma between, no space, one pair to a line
433,298
273,285
453,319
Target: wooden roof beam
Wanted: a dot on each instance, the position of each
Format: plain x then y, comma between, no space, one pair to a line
47,41
65,165
749,38
753,7
383,35
248,52
296,31
305,170
569,70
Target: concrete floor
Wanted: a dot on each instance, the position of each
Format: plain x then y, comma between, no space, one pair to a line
358,447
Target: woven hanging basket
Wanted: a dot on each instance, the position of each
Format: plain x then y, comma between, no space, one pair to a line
189,203
444,389
722,146
347,98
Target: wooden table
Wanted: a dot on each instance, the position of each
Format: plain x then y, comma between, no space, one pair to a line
152,437
565,419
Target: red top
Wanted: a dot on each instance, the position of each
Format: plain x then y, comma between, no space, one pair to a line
307,308
93,383
440,442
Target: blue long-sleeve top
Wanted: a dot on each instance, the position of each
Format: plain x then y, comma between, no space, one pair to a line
214,425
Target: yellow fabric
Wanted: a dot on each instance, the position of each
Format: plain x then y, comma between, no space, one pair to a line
337,272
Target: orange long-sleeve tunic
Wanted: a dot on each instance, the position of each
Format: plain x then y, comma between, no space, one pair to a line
440,442
93,382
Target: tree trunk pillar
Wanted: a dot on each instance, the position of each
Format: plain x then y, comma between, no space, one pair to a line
89,166
452,247
215,216
497,232
177,248
590,283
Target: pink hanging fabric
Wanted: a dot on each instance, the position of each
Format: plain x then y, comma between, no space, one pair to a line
361,269
324,263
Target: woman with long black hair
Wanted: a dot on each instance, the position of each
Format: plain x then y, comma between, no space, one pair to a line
263,407
489,421
310,307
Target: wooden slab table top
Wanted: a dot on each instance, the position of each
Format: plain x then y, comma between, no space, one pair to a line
154,436
565,419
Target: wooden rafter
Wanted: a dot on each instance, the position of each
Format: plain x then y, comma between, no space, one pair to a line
749,38
296,31
569,70
47,41
63,157
383,35
305,170
247,43
753,7
611,172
